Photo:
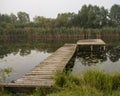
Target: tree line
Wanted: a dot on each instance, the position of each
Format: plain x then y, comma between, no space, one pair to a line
88,17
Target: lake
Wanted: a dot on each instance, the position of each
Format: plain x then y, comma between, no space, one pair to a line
108,60
22,55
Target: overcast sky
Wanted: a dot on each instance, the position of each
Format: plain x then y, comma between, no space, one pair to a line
49,8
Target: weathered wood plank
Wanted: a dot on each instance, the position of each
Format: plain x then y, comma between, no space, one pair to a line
91,42
43,74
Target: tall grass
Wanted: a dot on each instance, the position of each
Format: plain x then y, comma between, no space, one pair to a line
66,80
102,80
98,79
92,83
58,33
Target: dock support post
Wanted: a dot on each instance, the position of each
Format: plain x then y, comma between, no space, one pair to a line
77,48
91,47
104,48
100,48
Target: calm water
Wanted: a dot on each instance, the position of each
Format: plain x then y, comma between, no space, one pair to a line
23,55
108,60
22,64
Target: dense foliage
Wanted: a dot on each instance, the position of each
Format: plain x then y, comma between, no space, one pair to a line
88,17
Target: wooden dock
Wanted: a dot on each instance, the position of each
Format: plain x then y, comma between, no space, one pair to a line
92,43
43,74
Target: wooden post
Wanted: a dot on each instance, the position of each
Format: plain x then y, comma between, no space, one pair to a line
91,47
100,48
77,48
104,48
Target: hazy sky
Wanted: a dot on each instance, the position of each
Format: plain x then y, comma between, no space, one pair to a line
49,8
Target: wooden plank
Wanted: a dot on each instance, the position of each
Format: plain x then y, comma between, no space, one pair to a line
43,74
91,42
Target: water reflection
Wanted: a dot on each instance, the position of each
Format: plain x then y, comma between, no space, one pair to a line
108,61
114,54
22,55
25,46
91,58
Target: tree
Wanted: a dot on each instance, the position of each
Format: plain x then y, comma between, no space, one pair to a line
93,16
83,16
64,19
5,18
42,21
115,14
103,17
23,17
13,18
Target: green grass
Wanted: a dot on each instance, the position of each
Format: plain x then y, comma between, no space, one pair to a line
66,80
102,80
78,91
92,83
84,91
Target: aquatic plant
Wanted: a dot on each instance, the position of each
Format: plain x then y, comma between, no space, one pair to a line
4,73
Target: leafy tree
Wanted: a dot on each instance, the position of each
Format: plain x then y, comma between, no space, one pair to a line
115,14
39,20
23,17
103,17
5,18
13,18
43,22
83,16
88,17
64,19
93,16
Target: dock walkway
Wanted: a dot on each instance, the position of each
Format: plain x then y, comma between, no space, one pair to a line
43,74
91,42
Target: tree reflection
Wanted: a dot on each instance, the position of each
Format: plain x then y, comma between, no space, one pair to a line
24,46
24,52
114,54
91,58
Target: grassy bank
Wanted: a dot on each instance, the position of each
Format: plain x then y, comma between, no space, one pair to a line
91,83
